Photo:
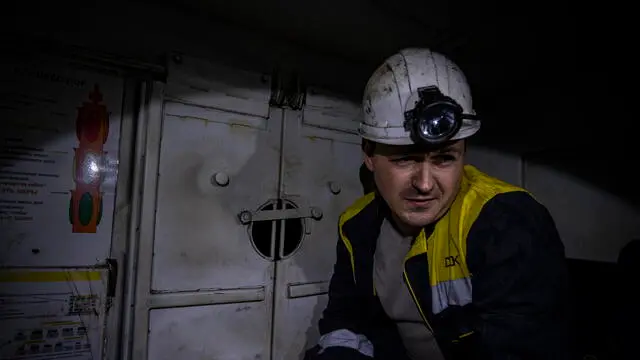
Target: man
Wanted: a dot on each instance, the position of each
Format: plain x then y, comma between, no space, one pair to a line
440,261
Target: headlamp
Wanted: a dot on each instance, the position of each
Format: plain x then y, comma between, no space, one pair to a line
435,118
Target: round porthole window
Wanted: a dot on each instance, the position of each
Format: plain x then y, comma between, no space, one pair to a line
277,239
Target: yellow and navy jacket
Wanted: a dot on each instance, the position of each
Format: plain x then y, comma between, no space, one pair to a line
489,279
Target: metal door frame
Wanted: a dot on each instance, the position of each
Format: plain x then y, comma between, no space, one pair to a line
141,225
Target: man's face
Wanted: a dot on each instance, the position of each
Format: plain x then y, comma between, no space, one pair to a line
418,184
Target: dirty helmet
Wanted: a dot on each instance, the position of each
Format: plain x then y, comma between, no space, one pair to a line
417,96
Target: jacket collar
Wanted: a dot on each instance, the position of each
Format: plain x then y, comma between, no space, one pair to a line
363,228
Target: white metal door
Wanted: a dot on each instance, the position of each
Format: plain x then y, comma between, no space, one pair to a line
240,203
321,159
204,291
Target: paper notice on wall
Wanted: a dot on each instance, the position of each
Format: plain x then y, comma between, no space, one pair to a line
52,314
59,140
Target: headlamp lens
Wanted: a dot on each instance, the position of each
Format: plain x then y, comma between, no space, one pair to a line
437,123
435,118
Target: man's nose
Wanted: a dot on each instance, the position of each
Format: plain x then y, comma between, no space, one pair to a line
423,180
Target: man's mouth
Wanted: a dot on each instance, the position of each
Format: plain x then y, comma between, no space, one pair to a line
419,201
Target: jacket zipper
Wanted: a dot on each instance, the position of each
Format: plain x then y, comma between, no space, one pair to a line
415,300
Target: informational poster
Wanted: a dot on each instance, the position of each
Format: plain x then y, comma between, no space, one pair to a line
59,140
52,314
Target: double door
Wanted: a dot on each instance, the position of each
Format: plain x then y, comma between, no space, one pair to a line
239,209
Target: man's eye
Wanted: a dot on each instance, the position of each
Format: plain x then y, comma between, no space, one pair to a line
444,159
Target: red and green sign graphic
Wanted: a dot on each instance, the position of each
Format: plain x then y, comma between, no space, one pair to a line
92,130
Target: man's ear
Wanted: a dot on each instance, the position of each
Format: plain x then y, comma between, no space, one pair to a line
368,161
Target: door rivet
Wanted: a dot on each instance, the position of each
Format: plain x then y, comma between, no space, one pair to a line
316,213
334,187
220,179
245,217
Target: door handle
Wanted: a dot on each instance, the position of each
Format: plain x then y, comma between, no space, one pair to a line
246,217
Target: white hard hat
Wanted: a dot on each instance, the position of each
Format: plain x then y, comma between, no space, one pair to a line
417,95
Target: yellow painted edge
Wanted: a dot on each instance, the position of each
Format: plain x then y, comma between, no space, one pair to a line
49,276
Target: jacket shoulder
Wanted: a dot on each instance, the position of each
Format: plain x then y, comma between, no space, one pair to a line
500,197
518,206
485,187
513,225
356,207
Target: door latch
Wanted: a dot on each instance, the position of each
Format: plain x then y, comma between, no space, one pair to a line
246,217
